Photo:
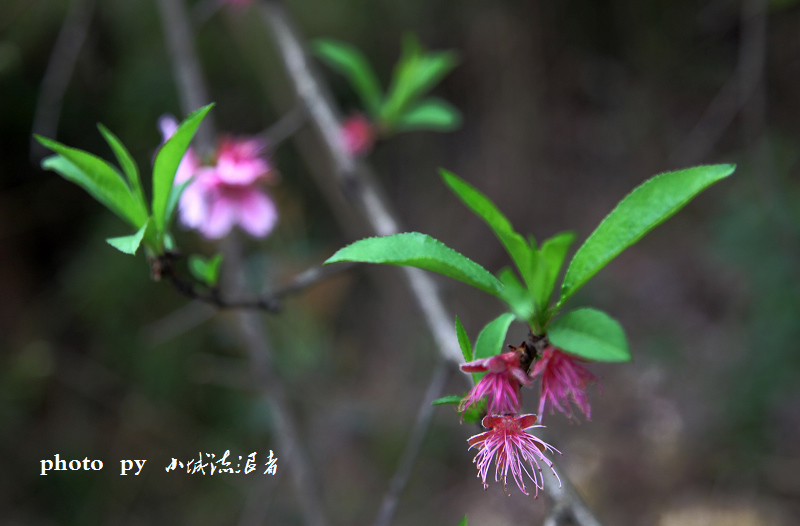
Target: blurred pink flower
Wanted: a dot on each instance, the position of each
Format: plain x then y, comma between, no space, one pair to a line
563,378
513,449
226,194
501,382
358,134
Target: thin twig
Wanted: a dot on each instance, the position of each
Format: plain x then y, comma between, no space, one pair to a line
59,71
424,415
359,185
271,302
737,91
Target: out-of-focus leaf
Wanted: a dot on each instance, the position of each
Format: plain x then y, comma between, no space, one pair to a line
463,521
351,63
205,270
463,341
128,244
590,334
646,207
430,114
516,295
126,162
166,164
97,177
422,251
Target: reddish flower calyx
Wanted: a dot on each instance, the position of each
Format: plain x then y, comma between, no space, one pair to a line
501,383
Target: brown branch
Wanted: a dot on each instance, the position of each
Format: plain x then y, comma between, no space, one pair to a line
59,71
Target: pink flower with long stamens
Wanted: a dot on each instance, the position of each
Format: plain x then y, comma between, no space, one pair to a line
358,135
513,449
563,379
501,383
228,193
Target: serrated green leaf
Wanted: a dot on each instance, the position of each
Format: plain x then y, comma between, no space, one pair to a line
128,244
97,177
490,340
463,521
590,334
649,205
422,251
205,270
547,267
126,162
463,341
514,243
516,295
350,62
430,114
448,400
167,161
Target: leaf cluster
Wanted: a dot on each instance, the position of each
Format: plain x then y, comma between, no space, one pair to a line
404,106
528,293
123,194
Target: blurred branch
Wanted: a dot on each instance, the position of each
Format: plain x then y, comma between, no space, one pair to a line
358,184
177,31
290,123
59,72
424,415
203,10
354,178
192,90
737,91
566,504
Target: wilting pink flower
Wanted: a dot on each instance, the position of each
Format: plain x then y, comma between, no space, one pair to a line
358,134
513,449
228,193
501,382
563,378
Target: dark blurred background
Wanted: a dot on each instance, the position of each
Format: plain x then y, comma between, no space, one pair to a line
568,105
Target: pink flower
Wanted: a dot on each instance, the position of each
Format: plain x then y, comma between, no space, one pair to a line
358,135
501,382
512,447
563,378
227,194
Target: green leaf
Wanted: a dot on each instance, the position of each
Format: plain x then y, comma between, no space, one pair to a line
351,63
463,521
547,267
590,334
126,162
422,251
490,340
430,114
514,243
448,400
516,295
463,341
97,177
166,164
174,197
414,75
128,244
205,270
475,412
649,205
